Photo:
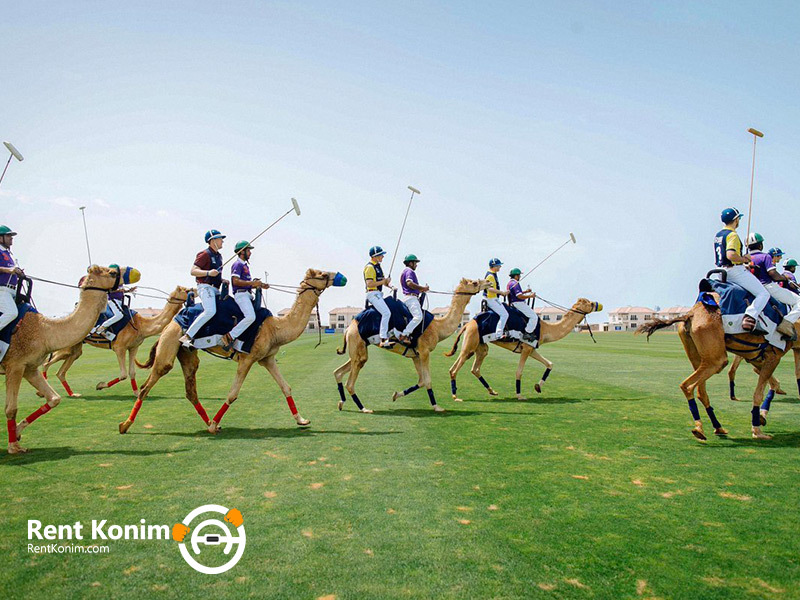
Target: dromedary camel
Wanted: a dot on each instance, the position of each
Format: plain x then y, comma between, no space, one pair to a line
774,384
36,336
439,329
704,340
273,333
550,332
127,341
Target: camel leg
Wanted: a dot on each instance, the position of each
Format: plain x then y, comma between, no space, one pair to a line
425,377
413,388
37,380
702,394
737,360
164,361
272,366
245,364
120,352
74,354
548,368
463,357
480,353
14,376
189,364
797,367
132,368
338,374
770,363
356,364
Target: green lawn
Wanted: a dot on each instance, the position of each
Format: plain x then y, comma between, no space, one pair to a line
594,489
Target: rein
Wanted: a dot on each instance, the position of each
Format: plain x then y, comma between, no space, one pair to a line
567,310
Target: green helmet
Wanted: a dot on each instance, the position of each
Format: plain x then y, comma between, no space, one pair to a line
113,266
790,263
755,238
244,244
410,258
6,230
514,272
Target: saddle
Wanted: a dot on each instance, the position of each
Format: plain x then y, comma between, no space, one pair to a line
515,326
111,333
369,323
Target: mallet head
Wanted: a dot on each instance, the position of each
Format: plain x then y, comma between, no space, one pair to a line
755,132
572,237
14,152
296,206
413,189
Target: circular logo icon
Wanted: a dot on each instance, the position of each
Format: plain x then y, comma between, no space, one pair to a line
211,532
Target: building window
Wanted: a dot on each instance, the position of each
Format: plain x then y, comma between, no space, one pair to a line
634,318
558,317
311,325
633,325
648,317
545,317
340,318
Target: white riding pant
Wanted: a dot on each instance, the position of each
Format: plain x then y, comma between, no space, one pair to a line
526,310
8,307
208,298
739,275
376,299
787,297
245,302
116,314
497,307
412,303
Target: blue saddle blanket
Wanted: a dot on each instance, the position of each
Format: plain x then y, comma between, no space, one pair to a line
24,308
369,320
127,315
227,316
487,322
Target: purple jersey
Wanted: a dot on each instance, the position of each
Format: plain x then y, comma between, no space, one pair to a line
514,290
790,276
117,295
7,260
763,265
408,275
242,270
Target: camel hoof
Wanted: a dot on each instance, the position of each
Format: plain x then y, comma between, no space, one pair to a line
20,428
301,422
367,411
341,404
213,427
75,395
40,394
492,392
780,392
100,386
538,388
720,431
457,399
734,399
395,396
698,433
15,448
125,425
521,397
757,434
438,409
763,418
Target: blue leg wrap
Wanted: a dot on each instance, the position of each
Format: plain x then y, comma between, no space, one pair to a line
431,397
714,421
341,392
519,386
413,388
484,382
798,386
546,374
756,417
768,400
357,401
453,386
733,388
693,408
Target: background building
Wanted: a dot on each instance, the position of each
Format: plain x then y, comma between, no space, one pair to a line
629,318
441,311
340,317
312,319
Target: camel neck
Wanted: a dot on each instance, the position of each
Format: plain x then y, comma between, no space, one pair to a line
452,318
149,326
72,329
293,324
555,331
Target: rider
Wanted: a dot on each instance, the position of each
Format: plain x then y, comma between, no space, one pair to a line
207,269
491,294
728,255
411,291
788,271
768,275
9,275
242,283
516,297
374,280
116,298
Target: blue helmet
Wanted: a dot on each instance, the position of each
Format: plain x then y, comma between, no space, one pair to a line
774,252
495,262
729,215
213,234
376,251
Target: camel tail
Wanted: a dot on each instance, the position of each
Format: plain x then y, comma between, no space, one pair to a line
344,344
150,359
458,338
656,324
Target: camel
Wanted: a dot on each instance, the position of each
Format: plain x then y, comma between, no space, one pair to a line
550,332
703,337
439,329
774,384
36,336
274,333
138,329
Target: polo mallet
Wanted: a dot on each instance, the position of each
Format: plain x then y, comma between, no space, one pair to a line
295,208
756,134
86,233
14,154
400,237
571,239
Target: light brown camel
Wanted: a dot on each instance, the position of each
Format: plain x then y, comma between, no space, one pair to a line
127,341
273,333
550,332
774,384
36,336
704,340
439,329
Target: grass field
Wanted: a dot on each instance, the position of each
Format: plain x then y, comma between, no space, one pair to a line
595,489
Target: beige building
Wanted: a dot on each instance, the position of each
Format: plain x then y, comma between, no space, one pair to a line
629,318
340,317
550,314
441,311
671,313
312,320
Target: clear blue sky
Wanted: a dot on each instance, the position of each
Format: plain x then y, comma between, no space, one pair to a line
520,122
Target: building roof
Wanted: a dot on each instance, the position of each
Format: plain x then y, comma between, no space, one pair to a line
345,309
676,309
549,310
631,310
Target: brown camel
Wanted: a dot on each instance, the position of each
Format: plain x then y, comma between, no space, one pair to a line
439,329
550,332
138,329
774,384
704,340
36,336
273,333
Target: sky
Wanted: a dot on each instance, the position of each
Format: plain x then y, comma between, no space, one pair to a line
624,123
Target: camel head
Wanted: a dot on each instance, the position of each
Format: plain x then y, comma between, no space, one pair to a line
472,286
321,280
100,277
587,306
180,294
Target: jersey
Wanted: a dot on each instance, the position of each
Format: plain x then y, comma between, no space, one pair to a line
494,285
762,263
514,290
374,272
725,240
7,260
207,260
241,269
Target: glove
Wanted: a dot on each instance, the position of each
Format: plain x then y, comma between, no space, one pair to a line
179,531
234,517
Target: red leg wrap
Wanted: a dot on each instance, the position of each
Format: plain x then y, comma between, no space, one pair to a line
133,385
135,410
221,412
66,387
202,412
44,408
292,407
113,382
12,431
44,374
